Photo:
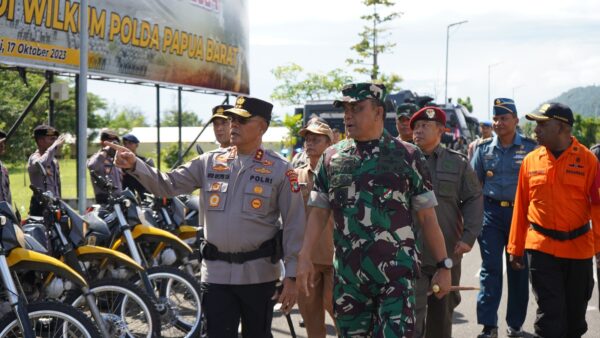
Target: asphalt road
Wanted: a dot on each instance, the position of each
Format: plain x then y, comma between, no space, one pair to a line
465,317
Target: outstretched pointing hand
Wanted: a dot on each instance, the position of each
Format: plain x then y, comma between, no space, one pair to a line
124,158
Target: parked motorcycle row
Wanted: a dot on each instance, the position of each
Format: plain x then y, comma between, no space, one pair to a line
126,268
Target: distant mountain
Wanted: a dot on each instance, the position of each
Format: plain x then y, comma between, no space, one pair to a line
582,100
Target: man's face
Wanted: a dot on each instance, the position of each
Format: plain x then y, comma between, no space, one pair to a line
546,132
222,130
427,134
486,131
403,126
132,146
505,125
246,130
360,118
44,142
315,144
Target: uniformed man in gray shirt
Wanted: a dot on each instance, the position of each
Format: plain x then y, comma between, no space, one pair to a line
43,168
4,178
459,212
246,190
102,162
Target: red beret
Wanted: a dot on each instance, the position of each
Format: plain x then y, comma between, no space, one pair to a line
428,114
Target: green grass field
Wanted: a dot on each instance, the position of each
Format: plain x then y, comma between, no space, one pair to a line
19,183
21,194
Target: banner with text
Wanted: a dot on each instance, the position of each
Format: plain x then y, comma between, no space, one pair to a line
196,43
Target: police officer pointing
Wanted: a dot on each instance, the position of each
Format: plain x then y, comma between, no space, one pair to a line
246,189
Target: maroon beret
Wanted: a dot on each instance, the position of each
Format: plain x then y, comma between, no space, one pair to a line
428,114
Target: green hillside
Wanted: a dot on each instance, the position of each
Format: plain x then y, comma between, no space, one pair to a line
582,100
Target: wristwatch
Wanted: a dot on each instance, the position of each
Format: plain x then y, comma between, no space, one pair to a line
445,263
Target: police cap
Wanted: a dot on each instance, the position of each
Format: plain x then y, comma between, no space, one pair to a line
247,107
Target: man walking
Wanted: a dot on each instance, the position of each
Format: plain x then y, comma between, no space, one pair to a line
496,162
486,132
317,137
459,212
557,196
247,189
371,182
403,114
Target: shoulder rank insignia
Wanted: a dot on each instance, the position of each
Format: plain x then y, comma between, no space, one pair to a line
259,155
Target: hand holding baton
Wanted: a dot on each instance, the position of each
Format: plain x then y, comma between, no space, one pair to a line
436,288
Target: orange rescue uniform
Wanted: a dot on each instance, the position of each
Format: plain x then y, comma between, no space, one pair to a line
558,194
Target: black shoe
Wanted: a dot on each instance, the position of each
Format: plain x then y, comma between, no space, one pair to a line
489,332
514,332
301,323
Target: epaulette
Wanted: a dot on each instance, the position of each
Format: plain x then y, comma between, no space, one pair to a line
219,150
275,155
485,141
456,152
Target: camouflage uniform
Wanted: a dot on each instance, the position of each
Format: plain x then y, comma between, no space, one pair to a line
371,188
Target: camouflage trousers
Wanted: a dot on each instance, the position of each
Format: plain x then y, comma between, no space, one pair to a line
374,310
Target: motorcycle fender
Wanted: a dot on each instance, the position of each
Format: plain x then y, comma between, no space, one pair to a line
187,232
153,234
89,252
24,260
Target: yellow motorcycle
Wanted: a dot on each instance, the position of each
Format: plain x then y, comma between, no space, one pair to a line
117,225
41,319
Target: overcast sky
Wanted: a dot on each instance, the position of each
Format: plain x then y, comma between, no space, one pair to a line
539,49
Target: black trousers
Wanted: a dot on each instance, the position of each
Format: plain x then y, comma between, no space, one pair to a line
562,288
224,305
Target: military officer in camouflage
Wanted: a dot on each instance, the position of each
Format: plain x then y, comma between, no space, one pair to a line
43,168
246,189
371,182
403,114
459,212
4,178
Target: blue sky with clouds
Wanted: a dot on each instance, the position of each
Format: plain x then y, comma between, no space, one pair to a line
541,48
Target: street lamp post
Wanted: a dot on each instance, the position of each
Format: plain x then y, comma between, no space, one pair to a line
489,106
513,91
447,41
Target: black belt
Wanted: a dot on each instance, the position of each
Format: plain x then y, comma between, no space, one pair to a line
270,248
504,204
562,235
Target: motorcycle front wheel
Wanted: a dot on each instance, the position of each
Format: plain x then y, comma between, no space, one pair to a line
50,319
